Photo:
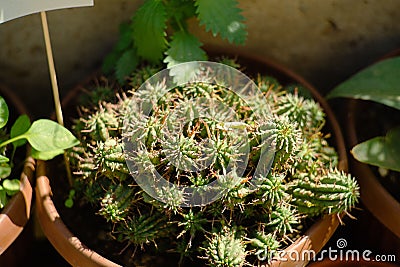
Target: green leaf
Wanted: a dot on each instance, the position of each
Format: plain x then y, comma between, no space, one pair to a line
149,25
4,159
379,82
3,197
222,17
178,12
184,47
126,65
5,170
124,42
69,203
4,113
20,126
110,62
11,186
382,151
45,155
46,135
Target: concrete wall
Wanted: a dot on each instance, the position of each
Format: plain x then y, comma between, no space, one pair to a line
323,40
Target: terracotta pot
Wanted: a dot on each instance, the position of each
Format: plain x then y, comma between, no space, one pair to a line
374,196
16,213
77,254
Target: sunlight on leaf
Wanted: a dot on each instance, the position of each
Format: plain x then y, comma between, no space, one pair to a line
4,113
47,135
379,82
382,151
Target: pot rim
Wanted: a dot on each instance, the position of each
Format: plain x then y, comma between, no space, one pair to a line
17,211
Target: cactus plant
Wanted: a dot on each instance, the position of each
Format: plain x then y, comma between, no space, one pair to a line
250,218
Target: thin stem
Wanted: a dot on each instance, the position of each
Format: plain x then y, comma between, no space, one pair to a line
9,141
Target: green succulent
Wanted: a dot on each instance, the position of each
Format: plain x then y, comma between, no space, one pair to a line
224,249
332,192
265,245
189,142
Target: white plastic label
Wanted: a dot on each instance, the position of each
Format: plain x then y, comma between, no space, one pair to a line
12,9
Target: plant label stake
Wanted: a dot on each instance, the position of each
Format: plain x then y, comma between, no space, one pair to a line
11,9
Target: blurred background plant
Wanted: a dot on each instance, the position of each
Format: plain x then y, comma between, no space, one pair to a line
158,33
378,83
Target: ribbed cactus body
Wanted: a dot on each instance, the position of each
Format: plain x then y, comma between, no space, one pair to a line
333,192
115,203
225,250
266,245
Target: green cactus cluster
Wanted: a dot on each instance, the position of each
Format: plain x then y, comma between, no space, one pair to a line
250,219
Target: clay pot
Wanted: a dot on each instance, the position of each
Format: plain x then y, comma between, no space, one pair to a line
16,213
77,254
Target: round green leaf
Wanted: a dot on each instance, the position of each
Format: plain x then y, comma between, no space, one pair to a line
20,126
46,135
4,113
69,203
11,186
4,159
46,155
5,170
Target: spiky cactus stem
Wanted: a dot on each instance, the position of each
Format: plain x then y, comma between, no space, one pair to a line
223,249
331,192
209,147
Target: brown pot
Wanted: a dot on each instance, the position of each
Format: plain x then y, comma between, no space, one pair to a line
16,213
78,254
374,196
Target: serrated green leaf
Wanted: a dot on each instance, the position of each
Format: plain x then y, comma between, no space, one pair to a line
184,47
5,170
149,26
125,42
20,126
46,135
126,65
222,17
110,61
4,113
379,82
382,151
178,12
11,186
